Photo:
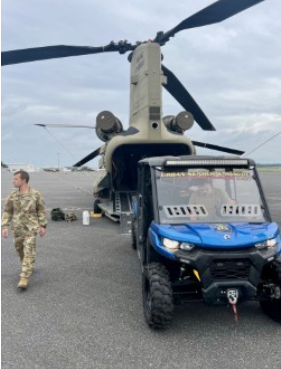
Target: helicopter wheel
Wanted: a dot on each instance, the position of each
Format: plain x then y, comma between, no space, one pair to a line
96,207
133,234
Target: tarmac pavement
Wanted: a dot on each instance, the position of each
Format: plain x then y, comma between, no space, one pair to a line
83,307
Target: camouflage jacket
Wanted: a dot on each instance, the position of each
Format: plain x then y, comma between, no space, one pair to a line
26,211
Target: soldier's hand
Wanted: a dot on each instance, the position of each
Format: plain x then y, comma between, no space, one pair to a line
5,232
42,231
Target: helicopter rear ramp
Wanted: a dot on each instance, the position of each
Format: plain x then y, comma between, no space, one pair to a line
120,210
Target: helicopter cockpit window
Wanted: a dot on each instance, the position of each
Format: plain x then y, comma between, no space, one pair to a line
201,195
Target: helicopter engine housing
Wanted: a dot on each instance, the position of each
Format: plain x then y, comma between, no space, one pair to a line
180,123
107,126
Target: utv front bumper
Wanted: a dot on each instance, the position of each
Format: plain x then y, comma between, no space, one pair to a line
220,270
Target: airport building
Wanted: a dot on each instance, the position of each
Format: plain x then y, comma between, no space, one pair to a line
14,167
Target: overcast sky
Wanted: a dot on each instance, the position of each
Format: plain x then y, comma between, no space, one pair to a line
232,70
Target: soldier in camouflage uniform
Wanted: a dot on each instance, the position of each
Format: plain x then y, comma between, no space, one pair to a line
25,207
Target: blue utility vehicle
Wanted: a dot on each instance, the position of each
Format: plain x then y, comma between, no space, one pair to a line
203,232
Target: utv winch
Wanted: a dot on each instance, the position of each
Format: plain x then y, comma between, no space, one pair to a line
203,232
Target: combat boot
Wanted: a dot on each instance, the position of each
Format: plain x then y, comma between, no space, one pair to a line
23,282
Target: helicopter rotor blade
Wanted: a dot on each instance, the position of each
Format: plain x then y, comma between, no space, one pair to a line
63,126
178,91
218,148
214,13
52,52
87,158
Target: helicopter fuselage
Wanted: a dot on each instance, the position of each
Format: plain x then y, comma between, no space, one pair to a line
147,135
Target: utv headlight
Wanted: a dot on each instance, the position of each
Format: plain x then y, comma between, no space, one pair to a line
269,243
187,246
170,244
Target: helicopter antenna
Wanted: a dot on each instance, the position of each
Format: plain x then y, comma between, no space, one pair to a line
89,157
63,126
59,143
247,153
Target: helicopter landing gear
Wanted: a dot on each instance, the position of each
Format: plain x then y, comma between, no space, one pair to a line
96,208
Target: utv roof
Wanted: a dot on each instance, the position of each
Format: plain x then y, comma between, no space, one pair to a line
160,160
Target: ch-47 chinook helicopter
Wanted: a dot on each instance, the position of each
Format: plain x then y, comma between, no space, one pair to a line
149,133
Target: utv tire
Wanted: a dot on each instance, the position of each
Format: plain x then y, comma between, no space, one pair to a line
272,309
133,234
157,296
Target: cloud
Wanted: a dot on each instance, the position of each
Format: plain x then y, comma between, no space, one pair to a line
256,123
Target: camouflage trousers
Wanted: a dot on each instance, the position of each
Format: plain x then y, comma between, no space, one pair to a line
25,245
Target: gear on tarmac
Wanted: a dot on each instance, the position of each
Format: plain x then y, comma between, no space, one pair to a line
70,217
57,214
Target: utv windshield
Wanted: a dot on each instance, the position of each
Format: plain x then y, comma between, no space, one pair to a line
203,196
